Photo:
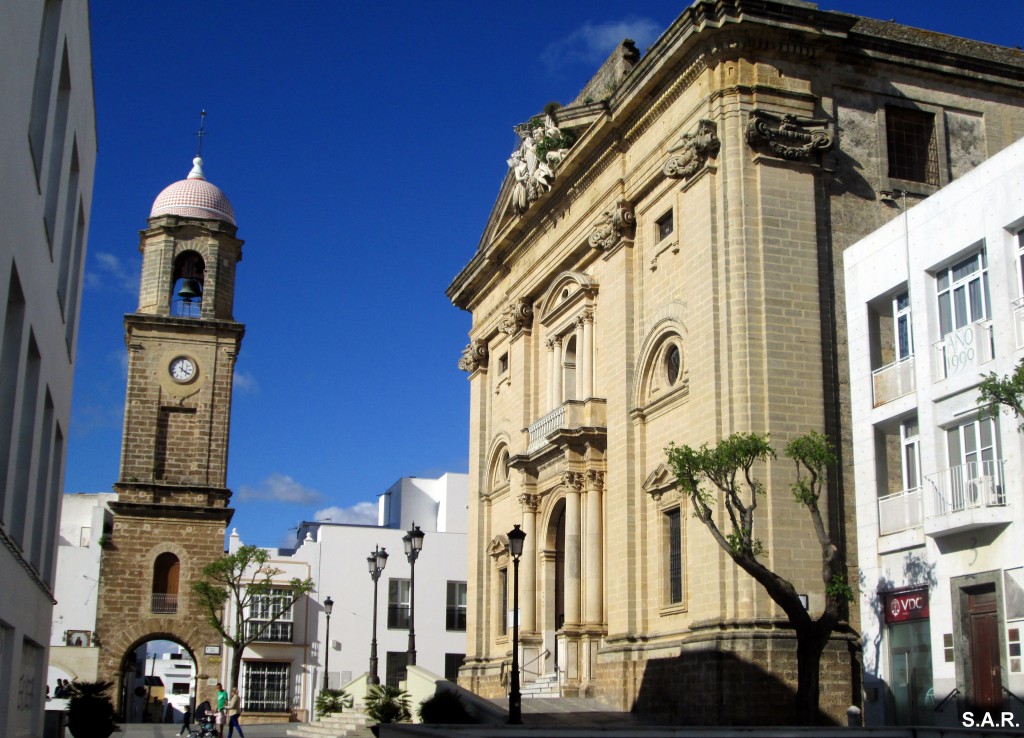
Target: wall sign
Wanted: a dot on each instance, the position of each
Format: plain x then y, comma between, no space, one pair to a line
903,606
212,650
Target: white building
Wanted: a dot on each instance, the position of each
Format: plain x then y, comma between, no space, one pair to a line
47,159
284,672
935,300
84,518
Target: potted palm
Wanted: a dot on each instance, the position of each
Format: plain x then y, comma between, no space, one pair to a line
90,711
387,704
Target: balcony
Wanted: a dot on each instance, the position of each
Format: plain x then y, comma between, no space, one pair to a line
963,351
571,418
899,512
893,381
966,497
164,604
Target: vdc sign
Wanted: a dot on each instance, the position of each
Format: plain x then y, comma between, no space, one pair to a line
903,606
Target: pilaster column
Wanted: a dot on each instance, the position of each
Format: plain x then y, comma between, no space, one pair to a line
528,564
593,548
555,381
581,360
573,482
587,361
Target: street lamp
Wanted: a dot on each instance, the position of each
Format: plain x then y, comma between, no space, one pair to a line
376,561
328,606
413,541
516,536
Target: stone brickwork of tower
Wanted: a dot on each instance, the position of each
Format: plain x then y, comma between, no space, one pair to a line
172,508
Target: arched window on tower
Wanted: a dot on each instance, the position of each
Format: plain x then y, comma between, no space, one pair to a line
166,571
187,285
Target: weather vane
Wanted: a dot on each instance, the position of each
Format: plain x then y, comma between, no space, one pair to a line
200,133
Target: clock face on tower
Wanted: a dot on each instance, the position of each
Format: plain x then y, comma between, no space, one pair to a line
182,369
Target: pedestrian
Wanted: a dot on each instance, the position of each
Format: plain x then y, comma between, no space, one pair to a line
234,710
222,699
186,721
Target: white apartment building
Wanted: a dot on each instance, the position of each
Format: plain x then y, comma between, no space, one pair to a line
935,300
284,671
47,160
84,521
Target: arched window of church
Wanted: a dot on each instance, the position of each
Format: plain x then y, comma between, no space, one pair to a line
187,285
166,571
569,370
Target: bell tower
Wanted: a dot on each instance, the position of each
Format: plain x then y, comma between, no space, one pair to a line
172,508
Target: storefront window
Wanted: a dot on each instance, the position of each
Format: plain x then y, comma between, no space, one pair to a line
910,659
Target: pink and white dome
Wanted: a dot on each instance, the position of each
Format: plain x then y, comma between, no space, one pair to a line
194,198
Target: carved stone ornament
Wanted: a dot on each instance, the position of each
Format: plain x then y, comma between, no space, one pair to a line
694,150
573,480
474,356
534,164
515,317
788,136
595,480
613,227
529,502
660,481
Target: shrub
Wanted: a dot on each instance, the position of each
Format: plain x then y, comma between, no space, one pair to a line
445,708
387,704
331,701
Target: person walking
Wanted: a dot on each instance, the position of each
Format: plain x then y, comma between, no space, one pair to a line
234,710
222,698
186,721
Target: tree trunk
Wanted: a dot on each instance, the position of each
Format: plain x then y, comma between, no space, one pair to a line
810,644
236,667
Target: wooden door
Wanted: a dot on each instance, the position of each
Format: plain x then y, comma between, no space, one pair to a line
984,649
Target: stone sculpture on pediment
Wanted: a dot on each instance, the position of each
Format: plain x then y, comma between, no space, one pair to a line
542,148
515,317
694,150
788,136
474,356
615,226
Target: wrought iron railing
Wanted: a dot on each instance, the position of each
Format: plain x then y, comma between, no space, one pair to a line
968,486
164,604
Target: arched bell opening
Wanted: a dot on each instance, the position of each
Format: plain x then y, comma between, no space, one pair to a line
166,572
187,285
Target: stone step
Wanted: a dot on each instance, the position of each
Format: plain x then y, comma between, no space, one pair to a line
347,724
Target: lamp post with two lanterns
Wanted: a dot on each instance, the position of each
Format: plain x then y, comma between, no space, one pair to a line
413,541
376,562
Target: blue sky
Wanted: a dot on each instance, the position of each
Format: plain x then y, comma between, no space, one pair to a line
362,146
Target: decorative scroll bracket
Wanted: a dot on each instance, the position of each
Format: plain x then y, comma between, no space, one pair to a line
694,151
788,136
614,228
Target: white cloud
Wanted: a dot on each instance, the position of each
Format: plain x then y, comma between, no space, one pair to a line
591,43
246,382
110,272
362,513
280,488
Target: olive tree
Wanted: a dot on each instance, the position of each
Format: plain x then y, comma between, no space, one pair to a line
726,472
238,579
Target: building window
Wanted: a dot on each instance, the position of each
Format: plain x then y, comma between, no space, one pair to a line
674,548
673,363
963,293
399,603
395,667
503,596
179,688
452,663
904,326
664,226
910,441
974,474
265,607
266,686
912,145
456,614
166,569
503,363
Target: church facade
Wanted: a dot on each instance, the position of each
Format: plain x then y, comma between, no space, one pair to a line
660,266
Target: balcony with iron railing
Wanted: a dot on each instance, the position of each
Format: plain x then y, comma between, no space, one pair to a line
965,497
571,418
901,511
893,381
164,604
964,350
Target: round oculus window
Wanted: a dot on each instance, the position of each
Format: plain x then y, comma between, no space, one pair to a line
673,363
